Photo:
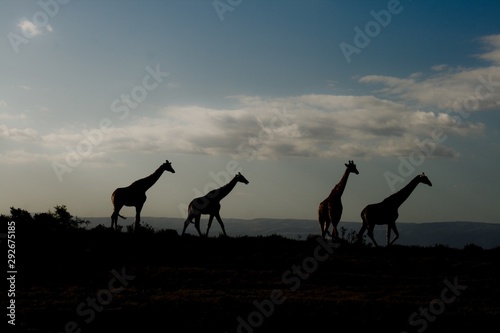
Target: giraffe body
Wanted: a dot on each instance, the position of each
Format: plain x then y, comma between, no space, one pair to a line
330,209
209,204
386,212
134,195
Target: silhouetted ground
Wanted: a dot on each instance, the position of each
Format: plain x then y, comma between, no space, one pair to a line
164,282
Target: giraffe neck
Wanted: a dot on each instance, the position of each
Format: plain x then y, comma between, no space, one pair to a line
338,190
146,183
399,197
222,192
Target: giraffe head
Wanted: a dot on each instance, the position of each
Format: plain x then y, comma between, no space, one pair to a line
239,177
352,167
423,179
167,166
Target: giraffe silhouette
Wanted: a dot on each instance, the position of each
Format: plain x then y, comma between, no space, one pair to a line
210,204
386,212
134,195
330,209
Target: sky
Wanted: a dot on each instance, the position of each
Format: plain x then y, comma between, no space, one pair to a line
97,94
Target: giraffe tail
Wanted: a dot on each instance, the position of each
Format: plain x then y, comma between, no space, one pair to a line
123,217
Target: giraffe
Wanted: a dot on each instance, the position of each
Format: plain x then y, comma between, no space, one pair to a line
210,204
135,195
386,212
330,209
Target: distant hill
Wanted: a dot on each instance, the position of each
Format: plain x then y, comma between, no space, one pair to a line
452,234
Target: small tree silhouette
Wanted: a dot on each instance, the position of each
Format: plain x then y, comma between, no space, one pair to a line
351,236
58,220
65,220
20,216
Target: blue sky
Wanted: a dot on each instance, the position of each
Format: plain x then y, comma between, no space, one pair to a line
97,94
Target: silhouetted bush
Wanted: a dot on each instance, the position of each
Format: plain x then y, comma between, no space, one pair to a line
472,248
59,220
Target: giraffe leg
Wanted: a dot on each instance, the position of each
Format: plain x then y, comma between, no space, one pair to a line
114,220
327,219
396,234
114,217
221,224
138,209
210,220
197,224
370,234
335,234
323,220
322,227
388,234
363,225
327,227
361,232
186,223
334,215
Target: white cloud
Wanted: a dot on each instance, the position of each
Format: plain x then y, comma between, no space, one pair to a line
30,29
304,126
456,89
439,68
463,90
322,126
21,157
492,44
19,135
9,116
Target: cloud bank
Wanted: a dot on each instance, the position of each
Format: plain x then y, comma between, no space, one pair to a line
321,126
400,114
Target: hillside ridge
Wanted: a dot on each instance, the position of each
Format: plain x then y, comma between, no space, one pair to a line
456,234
